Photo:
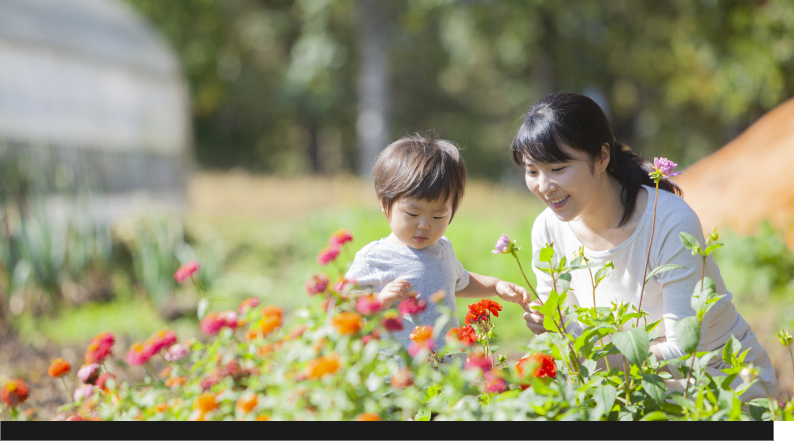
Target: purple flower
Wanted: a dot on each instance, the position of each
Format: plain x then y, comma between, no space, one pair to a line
503,245
176,353
87,371
83,391
665,167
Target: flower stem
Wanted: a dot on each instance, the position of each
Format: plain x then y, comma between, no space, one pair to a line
626,372
650,242
68,393
689,374
792,356
525,277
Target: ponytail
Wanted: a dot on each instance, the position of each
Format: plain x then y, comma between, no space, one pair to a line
632,172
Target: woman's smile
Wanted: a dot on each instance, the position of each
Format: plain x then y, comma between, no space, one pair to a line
558,202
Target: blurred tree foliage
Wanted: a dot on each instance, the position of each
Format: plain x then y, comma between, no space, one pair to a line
274,81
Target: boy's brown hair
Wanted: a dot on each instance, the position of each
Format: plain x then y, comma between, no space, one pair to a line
420,168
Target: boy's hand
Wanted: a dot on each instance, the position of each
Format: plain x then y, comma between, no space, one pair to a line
511,292
394,291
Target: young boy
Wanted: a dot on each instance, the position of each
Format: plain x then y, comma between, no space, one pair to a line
420,184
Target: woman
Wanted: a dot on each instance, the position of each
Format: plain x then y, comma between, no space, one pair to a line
599,196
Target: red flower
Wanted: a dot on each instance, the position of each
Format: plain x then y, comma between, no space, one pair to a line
481,310
139,354
327,255
247,304
317,284
340,238
100,382
15,392
465,335
59,367
368,305
412,306
186,271
478,361
392,323
161,339
542,366
99,347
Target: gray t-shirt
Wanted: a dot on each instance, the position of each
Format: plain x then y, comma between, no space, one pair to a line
429,270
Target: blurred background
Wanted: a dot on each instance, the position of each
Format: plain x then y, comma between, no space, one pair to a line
136,135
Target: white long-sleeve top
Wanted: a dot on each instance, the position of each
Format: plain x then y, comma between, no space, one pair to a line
667,295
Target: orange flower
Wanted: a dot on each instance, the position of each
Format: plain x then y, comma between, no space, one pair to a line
268,324
272,310
421,334
402,379
320,367
368,416
263,417
161,407
175,382
166,372
264,350
59,367
205,403
347,323
247,402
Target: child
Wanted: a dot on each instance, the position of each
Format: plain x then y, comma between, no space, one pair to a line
420,184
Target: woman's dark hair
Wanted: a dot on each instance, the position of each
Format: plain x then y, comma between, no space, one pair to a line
578,122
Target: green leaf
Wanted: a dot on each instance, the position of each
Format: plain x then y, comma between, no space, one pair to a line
652,326
655,387
633,344
687,333
604,396
203,305
690,242
546,254
565,282
712,248
656,415
422,415
663,269
604,272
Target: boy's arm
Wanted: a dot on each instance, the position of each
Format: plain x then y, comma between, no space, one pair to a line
487,286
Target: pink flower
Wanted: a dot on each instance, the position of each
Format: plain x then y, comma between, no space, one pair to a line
664,168
367,305
328,254
317,284
494,384
207,382
176,353
343,285
212,323
340,238
247,304
392,323
186,271
83,391
139,354
412,306
229,319
503,245
87,372
414,348
478,361
99,347
161,339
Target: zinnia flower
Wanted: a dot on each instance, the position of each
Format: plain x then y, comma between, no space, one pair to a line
504,246
328,254
175,382
317,284
176,353
368,416
368,305
139,354
248,304
347,322
100,382
422,339
340,238
344,285
392,323
99,347
162,339
402,379
14,392
214,321
83,391
494,383
59,367
88,373
478,361
544,366
186,271
205,404
247,402
274,311
465,335
481,310
325,365
412,306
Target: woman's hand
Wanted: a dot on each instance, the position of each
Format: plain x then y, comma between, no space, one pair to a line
534,318
510,292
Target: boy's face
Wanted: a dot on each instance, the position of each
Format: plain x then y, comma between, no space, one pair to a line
419,223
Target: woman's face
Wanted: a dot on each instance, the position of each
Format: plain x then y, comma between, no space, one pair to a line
567,187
